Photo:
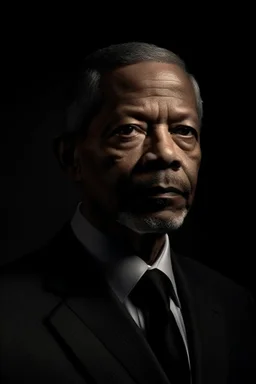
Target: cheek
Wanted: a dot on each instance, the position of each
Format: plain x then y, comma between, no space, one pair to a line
90,166
115,163
194,162
194,177
104,174
191,167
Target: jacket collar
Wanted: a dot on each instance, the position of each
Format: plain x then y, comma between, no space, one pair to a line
89,310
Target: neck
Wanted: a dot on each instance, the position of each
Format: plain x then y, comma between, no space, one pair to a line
147,246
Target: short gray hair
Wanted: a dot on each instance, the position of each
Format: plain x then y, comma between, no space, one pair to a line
88,99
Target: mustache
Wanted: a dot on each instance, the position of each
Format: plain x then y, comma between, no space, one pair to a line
141,185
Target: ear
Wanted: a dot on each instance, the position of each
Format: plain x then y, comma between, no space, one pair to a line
67,156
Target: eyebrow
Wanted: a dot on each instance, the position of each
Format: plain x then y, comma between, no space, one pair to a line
141,114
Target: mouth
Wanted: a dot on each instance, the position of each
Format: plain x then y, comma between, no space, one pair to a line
160,191
156,198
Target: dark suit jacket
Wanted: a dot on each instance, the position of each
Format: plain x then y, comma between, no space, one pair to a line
61,323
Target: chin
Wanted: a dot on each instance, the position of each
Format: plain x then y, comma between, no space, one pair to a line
158,222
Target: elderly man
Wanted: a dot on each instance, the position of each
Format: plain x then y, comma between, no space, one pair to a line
107,300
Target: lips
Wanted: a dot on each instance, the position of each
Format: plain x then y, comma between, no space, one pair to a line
154,199
161,191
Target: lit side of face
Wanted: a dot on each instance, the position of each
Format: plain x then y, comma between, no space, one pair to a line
146,135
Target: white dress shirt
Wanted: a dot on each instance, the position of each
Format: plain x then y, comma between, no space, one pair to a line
123,269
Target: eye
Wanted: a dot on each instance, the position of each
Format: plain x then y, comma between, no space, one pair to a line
125,130
185,130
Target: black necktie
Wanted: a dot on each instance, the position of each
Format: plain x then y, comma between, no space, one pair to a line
151,295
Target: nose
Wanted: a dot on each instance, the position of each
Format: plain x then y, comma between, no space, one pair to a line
162,148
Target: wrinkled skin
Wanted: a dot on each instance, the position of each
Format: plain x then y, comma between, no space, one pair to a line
147,134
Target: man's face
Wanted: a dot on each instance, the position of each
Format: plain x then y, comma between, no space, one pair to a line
146,136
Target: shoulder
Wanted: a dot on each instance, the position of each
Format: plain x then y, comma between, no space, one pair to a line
21,278
32,262
213,282
26,265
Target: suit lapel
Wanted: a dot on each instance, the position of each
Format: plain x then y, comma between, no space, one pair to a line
92,324
91,318
101,335
205,325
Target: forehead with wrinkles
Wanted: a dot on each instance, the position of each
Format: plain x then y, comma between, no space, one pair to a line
144,85
162,78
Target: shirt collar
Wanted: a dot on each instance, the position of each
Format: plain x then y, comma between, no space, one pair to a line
123,269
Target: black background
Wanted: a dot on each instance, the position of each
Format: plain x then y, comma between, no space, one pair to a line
41,63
